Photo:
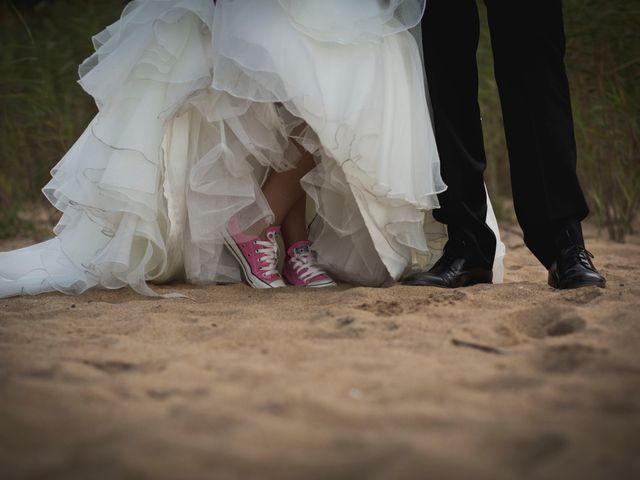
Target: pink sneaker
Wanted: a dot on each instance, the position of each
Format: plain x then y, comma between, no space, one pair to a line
300,268
257,258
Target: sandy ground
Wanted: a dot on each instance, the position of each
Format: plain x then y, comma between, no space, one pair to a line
489,382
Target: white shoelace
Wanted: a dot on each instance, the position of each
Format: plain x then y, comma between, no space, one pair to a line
268,254
306,260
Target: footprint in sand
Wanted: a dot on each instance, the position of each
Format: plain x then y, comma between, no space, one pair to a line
382,309
582,296
391,309
332,327
437,299
543,322
531,453
567,358
46,373
533,323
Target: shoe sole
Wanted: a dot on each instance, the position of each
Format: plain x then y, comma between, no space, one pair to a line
329,283
248,276
555,285
466,280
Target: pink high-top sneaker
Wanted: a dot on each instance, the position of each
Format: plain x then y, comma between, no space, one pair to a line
257,258
300,267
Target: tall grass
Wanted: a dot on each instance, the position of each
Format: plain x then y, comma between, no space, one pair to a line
43,110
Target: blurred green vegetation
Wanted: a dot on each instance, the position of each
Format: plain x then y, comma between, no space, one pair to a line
43,110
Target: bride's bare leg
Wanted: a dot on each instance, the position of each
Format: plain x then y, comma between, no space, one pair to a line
294,227
283,191
288,203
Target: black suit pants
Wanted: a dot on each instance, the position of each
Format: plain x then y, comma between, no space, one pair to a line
529,45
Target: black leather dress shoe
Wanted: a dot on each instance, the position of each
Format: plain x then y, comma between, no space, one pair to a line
451,271
574,269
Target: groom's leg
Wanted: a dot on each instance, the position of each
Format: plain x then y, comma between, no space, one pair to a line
529,45
450,32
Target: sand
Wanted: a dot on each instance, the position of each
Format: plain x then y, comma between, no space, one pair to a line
489,382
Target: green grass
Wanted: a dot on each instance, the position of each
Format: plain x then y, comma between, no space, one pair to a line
43,110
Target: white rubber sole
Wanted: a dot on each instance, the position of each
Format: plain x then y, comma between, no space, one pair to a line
323,284
327,283
250,278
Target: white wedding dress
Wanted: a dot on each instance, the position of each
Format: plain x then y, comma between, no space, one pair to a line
197,102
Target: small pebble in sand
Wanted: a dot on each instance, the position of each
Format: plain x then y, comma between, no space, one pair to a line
355,393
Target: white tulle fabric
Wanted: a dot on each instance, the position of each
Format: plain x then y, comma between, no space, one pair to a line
197,102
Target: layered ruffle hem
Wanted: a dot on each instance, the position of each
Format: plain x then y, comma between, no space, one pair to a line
198,102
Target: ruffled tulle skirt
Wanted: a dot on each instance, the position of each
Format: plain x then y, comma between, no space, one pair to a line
199,102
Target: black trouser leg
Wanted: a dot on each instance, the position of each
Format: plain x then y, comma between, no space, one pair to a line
450,30
529,45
